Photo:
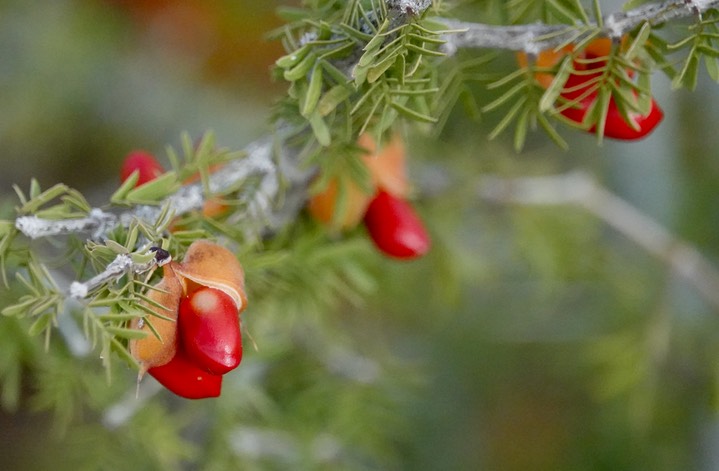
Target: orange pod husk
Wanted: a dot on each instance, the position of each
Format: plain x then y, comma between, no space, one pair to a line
323,205
155,350
209,264
386,164
546,59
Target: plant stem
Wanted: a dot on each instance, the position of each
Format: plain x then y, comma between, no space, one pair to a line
536,37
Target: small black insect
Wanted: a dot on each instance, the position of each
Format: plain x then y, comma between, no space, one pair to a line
162,256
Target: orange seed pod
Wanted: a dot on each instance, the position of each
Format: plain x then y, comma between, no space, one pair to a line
387,164
152,351
546,59
323,205
209,264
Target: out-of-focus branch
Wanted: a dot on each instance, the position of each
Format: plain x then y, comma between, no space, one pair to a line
536,37
580,189
262,160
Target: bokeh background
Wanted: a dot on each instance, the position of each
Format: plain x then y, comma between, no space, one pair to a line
529,339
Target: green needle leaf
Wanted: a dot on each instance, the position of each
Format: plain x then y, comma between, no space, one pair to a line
320,129
155,190
293,58
504,122
332,98
639,41
126,333
412,114
555,89
40,324
301,69
313,93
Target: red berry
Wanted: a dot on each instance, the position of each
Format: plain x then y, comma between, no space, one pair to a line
145,163
185,379
615,126
395,228
210,330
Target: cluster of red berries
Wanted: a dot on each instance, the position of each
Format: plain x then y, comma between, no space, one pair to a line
392,224
582,90
197,339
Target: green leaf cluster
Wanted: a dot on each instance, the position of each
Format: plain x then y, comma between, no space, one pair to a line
353,67
701,43
72,202
43,302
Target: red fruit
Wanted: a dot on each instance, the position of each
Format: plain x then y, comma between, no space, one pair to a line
395,228
185,379
615,127
143,162
210,330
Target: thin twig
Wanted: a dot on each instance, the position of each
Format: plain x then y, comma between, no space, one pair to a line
115,270
536,37
580,189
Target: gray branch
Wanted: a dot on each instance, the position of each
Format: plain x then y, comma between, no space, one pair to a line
532,38
97,223
263,161
115,270
579,189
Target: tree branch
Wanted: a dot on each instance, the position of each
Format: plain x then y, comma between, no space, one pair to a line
261,161
579,189
533,38
122,265
280,177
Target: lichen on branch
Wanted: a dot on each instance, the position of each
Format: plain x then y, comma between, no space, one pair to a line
535,37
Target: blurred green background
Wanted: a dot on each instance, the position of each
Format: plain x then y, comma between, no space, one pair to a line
529,339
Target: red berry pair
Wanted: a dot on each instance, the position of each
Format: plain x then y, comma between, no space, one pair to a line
579,87
209,345
581,90
198,338
203,296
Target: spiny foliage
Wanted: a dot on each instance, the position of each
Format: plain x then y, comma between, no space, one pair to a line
357,66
